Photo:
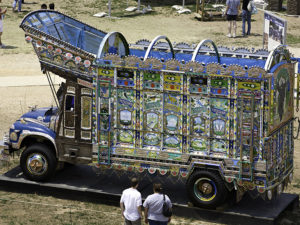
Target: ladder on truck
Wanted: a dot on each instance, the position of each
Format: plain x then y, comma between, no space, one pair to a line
246,138
104,122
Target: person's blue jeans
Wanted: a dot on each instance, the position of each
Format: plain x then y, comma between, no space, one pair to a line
246,16
155,222
19,4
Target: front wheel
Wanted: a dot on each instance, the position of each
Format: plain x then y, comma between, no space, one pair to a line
38,162
206,189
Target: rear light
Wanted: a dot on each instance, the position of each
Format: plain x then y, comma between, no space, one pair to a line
261,189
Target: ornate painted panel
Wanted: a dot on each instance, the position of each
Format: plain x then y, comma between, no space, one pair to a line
152,119
198,84
125,117
172,121
125,78
281,98
219,126
152,80
198,121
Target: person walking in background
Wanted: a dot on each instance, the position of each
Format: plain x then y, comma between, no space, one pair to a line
246,16
154,207
43,6
15,5
131,204
232,10
2,12
51,6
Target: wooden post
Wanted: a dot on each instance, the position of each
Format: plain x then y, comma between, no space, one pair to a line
197,6
109,8
202,10
139,5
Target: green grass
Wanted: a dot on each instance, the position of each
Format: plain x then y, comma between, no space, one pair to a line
292,39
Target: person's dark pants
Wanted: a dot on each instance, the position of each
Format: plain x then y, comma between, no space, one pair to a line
246,16
128,222
155,222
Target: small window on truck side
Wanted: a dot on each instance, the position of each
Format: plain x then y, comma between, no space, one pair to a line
69,106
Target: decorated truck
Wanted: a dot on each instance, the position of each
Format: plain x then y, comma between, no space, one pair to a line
221,119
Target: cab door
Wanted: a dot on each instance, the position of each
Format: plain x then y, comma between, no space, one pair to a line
75,131
69,112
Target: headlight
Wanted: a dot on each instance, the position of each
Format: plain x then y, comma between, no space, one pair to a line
279,189
13,136
291,177
53,124
269,193
22,120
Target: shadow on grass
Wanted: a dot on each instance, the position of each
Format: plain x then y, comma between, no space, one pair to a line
30,3
9,47
256,35
24,11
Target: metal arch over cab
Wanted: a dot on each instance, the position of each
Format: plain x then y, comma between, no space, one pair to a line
202,43
279,54
154,41
113,43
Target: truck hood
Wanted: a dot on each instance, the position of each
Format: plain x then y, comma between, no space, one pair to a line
37,121
41,115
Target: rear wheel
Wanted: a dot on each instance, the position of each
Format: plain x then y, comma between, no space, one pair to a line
206,189
38,162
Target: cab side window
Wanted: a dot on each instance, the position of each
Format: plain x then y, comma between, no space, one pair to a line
70,103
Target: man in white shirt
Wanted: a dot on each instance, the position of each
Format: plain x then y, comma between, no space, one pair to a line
131,204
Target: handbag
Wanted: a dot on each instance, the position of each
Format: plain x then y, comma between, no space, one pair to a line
249,6
166,211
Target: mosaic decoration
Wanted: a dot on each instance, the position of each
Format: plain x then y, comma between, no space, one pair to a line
256,72
235,70
215,68
155,63
241,52
194,67
143,42
145,64
183,45
132,61
172,64
114,58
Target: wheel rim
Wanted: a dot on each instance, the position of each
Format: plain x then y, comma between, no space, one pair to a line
37,164
205,189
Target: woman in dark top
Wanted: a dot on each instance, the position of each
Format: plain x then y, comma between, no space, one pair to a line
246,16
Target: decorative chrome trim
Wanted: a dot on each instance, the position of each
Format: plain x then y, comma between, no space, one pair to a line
27,133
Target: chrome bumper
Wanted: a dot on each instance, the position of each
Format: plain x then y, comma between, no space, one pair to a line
4,145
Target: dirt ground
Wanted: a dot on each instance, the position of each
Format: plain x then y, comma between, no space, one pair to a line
18,60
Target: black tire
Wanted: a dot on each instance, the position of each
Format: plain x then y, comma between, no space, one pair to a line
202,181
38,162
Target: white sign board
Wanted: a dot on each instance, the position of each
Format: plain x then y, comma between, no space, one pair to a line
274,31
